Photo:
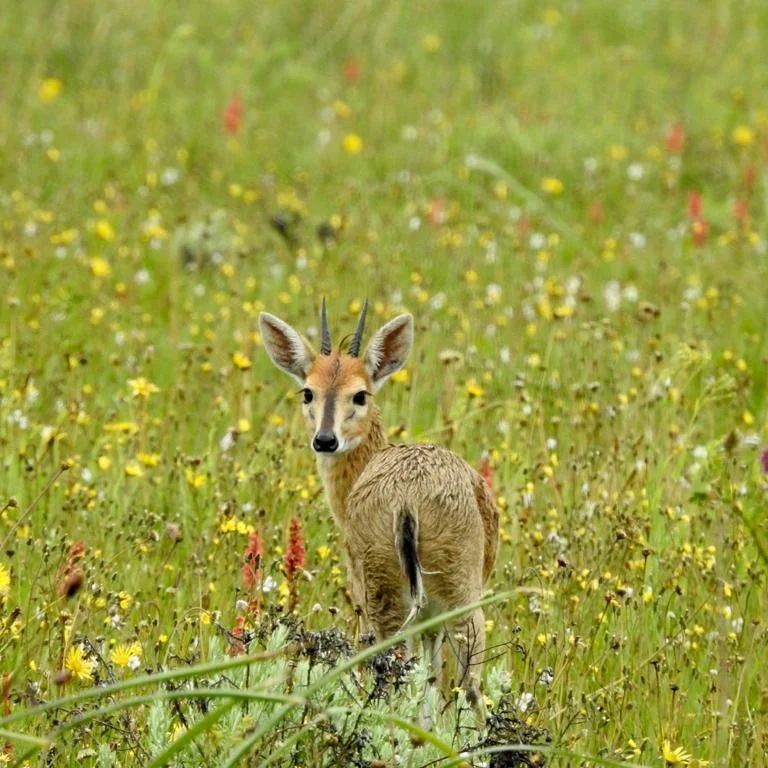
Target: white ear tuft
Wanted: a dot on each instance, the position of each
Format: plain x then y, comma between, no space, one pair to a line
287,348
389,348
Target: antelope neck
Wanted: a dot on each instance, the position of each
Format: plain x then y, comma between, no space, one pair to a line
340,473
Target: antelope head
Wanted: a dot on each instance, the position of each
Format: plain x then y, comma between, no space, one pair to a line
337,386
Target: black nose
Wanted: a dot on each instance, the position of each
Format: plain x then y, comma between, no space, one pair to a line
325,442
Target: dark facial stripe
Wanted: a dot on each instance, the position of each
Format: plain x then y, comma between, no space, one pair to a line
329,407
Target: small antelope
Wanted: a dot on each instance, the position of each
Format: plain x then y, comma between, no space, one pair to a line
420,526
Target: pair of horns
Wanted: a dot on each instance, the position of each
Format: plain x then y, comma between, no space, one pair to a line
357,339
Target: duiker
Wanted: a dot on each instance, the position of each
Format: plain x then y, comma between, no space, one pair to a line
420,526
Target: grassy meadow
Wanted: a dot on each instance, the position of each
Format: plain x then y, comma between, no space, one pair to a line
571,199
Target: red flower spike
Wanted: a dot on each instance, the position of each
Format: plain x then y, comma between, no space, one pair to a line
294,559
741,210
296,553
233,115
694,204
675,138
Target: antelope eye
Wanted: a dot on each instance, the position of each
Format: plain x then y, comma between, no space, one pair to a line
359,398
308,396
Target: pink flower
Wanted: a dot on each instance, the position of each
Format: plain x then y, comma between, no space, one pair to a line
764,460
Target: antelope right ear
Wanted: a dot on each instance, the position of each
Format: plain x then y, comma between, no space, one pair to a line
287,348
388,349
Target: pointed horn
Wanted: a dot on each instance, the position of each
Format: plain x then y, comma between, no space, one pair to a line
354,347
325,334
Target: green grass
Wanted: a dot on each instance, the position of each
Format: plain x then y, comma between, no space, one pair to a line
612,341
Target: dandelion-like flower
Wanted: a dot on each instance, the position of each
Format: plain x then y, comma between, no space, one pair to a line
676,756
241,362
77,663
126,655
142,387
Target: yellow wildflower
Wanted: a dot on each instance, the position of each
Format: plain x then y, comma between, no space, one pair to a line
474,389
49,89
126,655
77,664
5,580
677,756
353,144
141,387
400,376
196,480
148,459
133,469
743,135
100,267
105,230
241,362
552,186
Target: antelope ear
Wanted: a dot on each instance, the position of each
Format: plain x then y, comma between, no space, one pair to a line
287,348
389,349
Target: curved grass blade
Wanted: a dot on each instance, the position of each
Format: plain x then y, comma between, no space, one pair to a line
186,739
249,743
138,682
38,741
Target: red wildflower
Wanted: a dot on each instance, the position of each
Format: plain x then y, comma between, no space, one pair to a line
486,470
675,138
700,231
296,554
252,560
749,176
741,209
233,115
699,224
764,460
694,204
351,69
294,558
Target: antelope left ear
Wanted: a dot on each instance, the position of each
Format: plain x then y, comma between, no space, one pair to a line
287,348
389,349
